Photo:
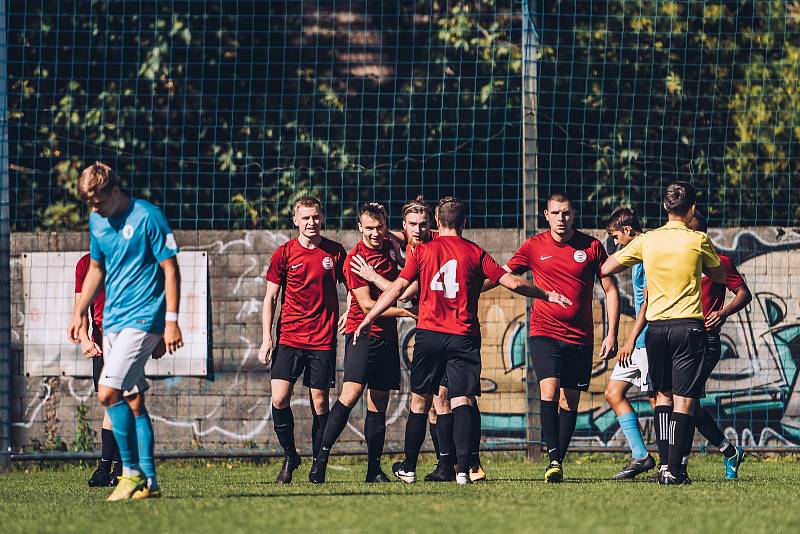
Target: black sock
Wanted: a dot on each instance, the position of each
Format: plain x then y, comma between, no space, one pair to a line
434,438
548,412
687,444
444,431
283,420
661,417
462,436
708,427
679,426
317,431
475,440
108,448
566,427
337,420
375,434
415,435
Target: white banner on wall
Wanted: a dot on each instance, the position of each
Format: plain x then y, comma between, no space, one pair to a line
49,293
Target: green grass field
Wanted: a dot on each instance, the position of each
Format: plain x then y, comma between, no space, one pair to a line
240,497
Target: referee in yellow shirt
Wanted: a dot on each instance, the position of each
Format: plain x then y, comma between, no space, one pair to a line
674,259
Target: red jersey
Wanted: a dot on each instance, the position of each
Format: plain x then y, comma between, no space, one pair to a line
96,308
451,271
384,261
310,304
569,268
713,295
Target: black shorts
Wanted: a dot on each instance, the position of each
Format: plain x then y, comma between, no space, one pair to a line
712,356
437,355
373,362
569,362
318,367
676,350
97,369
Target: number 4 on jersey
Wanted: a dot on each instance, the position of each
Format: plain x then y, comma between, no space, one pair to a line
447,272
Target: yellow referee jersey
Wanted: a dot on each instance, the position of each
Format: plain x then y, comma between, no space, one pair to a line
673,258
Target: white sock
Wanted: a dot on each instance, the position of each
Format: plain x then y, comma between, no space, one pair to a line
130,472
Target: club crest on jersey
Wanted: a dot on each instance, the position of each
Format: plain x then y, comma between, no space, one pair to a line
327,262
393,255
579,256
127,232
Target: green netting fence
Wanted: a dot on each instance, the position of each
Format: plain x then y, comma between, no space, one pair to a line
223,112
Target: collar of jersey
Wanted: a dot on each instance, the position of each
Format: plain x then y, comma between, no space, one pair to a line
676,224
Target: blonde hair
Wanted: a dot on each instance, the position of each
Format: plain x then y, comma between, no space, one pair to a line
96,178
307,202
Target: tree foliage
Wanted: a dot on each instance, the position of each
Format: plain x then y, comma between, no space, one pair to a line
635,94
224,112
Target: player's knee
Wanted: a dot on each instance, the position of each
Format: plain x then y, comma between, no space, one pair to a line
420,403
378,400
319,401
613,395
351,392
108,396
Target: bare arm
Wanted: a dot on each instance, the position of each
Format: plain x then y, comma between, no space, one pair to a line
366,302
410,292
611,266
387,299
489,285
742,298
519,285
91,284
267,318
173,339
609,345
88,347
364,270
627,348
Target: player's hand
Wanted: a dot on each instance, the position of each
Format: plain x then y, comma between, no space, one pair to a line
342,323
90,349
624,354
74,329
608,348
558,298
363,269
173,338
363,328
160,350
715,320
410,313
266,350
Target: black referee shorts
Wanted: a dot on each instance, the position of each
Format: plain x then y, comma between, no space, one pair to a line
437,355
676,351
373,362
569,362
318,367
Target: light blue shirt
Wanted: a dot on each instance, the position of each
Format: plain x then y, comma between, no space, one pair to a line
639,283
131,245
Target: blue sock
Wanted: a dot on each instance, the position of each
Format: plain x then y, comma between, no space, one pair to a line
124,426
144,434
630,427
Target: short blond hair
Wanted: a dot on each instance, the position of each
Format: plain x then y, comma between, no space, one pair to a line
96,178
307,202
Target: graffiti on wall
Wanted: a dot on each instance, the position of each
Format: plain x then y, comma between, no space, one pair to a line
754,390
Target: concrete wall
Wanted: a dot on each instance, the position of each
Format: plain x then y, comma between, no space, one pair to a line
754,390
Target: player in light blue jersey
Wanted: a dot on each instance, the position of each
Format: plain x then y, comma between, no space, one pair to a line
631,369
133,252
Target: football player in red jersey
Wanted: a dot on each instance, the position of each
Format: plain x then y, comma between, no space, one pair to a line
307,269
373,361
562,339
110,463
451,271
